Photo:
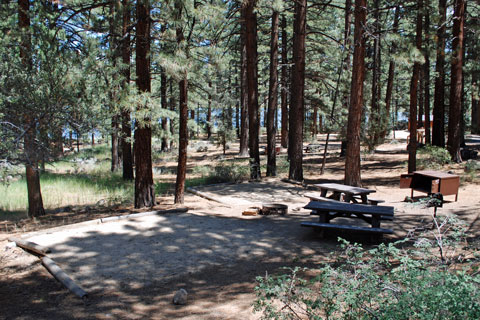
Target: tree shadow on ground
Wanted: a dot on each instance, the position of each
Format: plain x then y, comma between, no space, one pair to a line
132,271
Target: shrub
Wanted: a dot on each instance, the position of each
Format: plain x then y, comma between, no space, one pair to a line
231,172
472,169
432,157
428,280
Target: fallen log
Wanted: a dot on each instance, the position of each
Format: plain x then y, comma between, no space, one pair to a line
300,183
61,276
30,246
203,195
142,214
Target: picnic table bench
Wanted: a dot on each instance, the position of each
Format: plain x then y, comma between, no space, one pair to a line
327,211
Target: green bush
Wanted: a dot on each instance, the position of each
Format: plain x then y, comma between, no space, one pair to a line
426,280
231,172
472,170
432,157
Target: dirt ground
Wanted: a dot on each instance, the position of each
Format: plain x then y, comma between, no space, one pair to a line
132,267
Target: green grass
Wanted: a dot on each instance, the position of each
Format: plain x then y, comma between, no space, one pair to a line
70,182
84,178
60,190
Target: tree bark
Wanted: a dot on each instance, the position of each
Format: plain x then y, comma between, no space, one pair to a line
252,88
114,90
243,89
272,99
115,165
454,132
284,85
426,73
127,156
183,129
376,114
172,108
209,111
144,188
164,103
476,102
315,121
35,201
352,159
412,146
192,116
438,131
297,106
391,76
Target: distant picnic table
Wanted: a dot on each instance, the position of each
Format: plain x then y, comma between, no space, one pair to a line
341,192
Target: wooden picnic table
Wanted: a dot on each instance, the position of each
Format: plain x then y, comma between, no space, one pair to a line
327,211
350,194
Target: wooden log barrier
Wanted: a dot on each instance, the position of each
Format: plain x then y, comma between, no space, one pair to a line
30,246
61,276
203,195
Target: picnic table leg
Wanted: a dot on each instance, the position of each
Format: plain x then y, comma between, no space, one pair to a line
322,218
336,196
364,198
375,238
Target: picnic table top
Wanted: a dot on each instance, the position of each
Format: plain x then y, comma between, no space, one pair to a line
344,188
350,208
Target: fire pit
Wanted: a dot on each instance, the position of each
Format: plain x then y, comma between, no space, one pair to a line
274,208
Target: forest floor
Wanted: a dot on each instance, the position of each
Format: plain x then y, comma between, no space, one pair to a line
132,267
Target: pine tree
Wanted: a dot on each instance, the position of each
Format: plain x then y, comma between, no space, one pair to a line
297,106
352,160
144,188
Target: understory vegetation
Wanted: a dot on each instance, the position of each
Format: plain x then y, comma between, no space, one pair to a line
85,178
432,275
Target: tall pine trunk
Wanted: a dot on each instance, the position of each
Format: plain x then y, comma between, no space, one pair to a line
426,73
476,102
272,98
115,151
352,159
243,90
209,111
376,114
164,103
252,88
183,128
127,156
456,83
35,201
284,85
144,188
115,29
438,131
391,76
412,146
297,107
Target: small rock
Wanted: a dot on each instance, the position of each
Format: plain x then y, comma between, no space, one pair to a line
180,297
101,202
10,245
